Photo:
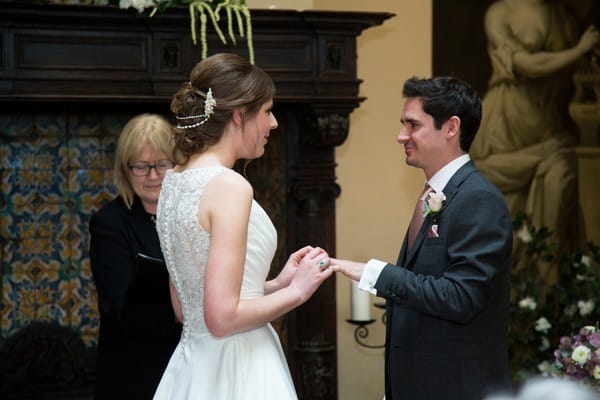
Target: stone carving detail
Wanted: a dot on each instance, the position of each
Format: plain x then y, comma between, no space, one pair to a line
332,129
326,130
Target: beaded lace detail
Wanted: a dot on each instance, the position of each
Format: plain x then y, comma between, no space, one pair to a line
185,243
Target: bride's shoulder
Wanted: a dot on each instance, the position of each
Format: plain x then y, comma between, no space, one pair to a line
229,183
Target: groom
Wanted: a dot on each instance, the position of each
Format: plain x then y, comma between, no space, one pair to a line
447,296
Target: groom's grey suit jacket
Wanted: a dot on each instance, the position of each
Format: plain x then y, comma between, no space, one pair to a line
447,299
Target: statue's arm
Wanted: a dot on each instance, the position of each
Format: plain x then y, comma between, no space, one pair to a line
542,63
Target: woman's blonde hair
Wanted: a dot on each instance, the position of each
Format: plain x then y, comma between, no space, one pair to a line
143,130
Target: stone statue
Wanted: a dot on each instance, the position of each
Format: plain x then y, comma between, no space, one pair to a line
526,142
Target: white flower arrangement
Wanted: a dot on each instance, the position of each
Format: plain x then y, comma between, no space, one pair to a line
564,303
578,357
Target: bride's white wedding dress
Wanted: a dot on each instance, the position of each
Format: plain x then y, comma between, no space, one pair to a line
249,365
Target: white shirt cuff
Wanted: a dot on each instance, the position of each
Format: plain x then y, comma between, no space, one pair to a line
370,275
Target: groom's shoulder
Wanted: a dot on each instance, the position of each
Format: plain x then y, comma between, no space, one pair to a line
475,181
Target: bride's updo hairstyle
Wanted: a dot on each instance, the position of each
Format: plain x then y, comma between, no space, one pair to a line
229,82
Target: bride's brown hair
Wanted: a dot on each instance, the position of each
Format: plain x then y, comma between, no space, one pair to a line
235,84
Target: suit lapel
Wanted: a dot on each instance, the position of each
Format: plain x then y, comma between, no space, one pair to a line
457,179
449,191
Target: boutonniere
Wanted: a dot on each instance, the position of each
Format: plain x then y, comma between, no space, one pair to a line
433,204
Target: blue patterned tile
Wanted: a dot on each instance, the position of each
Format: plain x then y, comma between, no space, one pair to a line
82,124
50,125
16,125
56,170
86,181
109,144
16,225
49,250
51,153
114,123
18,184
51,221
85,152
53,185
20,301
18,154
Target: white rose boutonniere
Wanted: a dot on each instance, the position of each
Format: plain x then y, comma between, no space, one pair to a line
433,204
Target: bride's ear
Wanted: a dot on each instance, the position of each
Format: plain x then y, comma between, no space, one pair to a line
238,116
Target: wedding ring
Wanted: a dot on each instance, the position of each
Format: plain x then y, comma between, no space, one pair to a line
322,263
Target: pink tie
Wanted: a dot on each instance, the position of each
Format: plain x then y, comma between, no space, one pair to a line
417,218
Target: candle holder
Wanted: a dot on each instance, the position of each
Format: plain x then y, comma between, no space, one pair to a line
362,331
383,316
360,315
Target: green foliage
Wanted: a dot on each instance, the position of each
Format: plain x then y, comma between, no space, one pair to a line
237,14
237,17
553,294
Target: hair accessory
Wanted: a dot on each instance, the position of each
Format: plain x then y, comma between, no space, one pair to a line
209,108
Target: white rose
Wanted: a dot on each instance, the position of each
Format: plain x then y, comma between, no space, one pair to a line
596,372
542,325
435,201
528,302
139,5
585,260
590,328
580,354
585,307
545,368
524,234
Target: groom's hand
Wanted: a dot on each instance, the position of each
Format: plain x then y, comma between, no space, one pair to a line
351,269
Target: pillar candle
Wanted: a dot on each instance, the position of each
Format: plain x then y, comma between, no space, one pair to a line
359,304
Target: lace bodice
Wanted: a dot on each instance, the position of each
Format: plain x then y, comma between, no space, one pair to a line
185,243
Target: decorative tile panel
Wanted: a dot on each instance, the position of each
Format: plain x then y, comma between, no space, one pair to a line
55,171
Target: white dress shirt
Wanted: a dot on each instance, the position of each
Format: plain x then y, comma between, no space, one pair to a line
437,182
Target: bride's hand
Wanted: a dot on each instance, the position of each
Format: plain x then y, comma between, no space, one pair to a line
312,271
291,266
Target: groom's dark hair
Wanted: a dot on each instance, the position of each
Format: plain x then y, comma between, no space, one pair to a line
443,97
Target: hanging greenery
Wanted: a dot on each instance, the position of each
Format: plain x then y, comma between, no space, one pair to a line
236,12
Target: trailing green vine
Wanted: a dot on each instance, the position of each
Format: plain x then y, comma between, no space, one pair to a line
236,13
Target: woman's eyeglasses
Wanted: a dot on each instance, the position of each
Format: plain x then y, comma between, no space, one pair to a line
143,169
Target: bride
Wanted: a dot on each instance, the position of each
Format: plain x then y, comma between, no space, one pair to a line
218,243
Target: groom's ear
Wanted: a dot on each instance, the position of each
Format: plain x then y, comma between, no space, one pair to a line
452,126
